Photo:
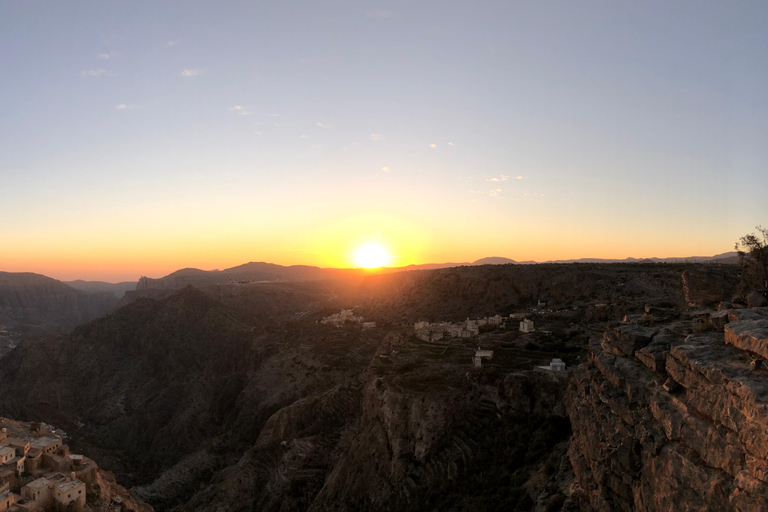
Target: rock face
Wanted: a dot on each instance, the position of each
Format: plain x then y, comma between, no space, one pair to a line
681,424
708,286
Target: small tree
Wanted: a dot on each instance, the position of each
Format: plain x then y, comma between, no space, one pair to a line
753,259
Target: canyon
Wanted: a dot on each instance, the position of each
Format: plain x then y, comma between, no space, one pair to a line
236,397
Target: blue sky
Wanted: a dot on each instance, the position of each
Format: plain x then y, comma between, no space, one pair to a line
140,137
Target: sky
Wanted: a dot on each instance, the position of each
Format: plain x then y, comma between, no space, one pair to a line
140,137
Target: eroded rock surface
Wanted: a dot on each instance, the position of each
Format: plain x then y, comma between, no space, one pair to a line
681,424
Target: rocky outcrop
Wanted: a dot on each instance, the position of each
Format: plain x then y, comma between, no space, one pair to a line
706,287
681,424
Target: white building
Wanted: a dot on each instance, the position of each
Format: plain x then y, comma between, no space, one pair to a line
479,355
556,365
527,325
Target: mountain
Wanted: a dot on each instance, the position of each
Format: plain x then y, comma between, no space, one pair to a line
36,303
116,289
255,272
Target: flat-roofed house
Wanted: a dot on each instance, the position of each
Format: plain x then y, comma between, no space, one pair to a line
7,454
20,445
40,490
480,355
46,444
7,499
70,493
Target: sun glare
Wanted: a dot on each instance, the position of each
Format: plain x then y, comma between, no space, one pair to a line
371,256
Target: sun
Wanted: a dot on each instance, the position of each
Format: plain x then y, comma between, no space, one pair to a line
371,256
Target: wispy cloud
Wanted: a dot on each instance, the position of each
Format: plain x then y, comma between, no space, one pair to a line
126,106
385,169
451,144
302,136
273,115
190,72
519,178
375,137
171,44
433,146
500,177
324,126
378,13
240,110
93,72
105,56
495,193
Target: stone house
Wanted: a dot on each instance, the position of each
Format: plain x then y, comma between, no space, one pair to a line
7,454
46,444
40,490
69,493
20,445
7,499
32,461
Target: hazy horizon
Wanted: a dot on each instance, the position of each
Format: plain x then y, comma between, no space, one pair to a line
141,138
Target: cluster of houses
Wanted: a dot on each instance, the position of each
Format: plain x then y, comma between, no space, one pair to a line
347,316
58,477
436,331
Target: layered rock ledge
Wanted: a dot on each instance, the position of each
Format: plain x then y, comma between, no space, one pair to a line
679,424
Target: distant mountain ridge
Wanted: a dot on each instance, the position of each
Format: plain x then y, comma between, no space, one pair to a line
270,272
39,303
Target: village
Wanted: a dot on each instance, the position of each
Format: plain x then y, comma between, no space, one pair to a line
39,474
437,335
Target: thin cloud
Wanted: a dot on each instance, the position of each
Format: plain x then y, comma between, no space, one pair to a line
93,72
500,177
495,193
104,56
450,144
171,44
302,136
519,178
190,72
273,115
126,106
375,137
240,110
385,169
433,146
324,126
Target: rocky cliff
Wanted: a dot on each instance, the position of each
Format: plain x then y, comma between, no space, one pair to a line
674,416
